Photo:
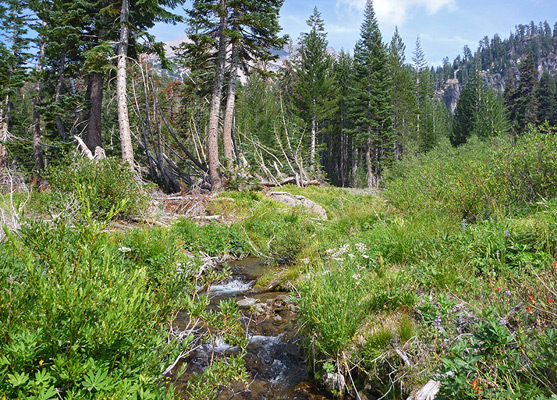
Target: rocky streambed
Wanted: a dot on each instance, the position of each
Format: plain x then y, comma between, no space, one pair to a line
274,359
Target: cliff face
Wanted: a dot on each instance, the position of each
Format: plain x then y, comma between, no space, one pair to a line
498,58
451,89
450,93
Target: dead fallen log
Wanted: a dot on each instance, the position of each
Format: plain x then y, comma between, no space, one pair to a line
291,180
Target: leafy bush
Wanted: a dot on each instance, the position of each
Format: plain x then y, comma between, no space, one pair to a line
104,184
86,315
213,239
77,320
476,181
497,363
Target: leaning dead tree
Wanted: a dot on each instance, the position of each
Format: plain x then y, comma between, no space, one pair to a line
173,143
10,213
171,159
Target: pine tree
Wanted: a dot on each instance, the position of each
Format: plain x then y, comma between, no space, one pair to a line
480,111
314,92
13,64
423,90
546,94
403,96
372,103
253,31
526,103
340,153
250,29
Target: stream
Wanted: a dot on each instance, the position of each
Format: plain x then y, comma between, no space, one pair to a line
275,359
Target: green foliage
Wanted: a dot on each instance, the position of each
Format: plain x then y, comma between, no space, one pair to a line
342,291
90,315
496,363
480,112
478,181
80,320
102,185
372,110
214,239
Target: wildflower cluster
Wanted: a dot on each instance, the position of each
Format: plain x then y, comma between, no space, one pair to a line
437,324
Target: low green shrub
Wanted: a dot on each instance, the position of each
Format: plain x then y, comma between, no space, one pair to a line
77,320
104,184
477,181
497,363
86,315
213,239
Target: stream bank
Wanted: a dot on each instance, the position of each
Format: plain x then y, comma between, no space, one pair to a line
274,356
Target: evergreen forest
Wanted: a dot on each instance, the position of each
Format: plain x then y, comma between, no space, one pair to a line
408,211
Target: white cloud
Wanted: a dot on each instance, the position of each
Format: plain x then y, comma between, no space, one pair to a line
396,12
342,29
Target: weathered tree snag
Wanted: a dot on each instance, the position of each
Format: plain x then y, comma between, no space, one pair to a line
93,136
369,171
37,143
229,111
123,117
213,139
4,130
312,144
57,97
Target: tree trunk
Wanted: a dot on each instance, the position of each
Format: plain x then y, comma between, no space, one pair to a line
93,137
312,146
355,159
213,138
123,117
4,134
37,143
343,159
369,165
227,143
57,100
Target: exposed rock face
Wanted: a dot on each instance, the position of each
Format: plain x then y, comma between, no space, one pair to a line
548,64
294,201
452,88
450,93
334,382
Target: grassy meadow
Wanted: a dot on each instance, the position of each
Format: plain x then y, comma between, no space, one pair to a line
449,274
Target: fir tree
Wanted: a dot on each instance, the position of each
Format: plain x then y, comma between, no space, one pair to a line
314,92
423,91
372,103
250,28
253,31
546,94
526,103
14,60
340,151
480,112
403,96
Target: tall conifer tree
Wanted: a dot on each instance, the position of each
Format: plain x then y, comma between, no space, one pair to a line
314,92
253,31
14,57
372,102
403,95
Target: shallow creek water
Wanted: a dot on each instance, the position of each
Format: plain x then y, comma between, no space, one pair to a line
274,360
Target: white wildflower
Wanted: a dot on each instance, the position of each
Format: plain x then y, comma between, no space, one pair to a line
124,249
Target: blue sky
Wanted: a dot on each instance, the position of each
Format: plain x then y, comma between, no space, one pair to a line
444,26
